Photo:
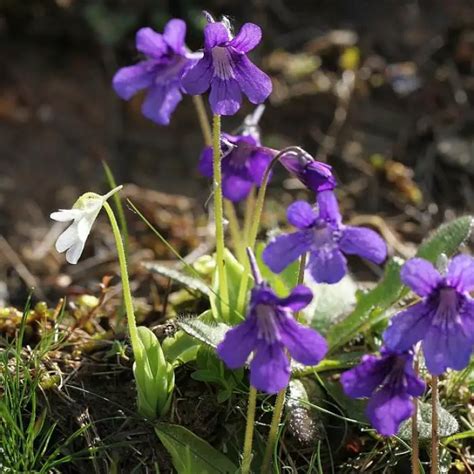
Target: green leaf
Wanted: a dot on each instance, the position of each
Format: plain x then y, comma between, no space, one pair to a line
154,377
447,424
208,333
185,280
222,312
446,239
372,305
191,454
330,303
180,349
369,306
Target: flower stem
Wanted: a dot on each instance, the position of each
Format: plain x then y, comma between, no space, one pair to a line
415,448
255,223
237,238
203,119
248,214
127,295
281,395
218,213
248,440
277,412
434,425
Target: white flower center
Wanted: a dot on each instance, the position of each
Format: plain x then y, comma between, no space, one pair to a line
223,64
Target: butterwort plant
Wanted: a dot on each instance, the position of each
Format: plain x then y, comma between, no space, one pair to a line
166,60
154,377
390,383
270,332
444,318
225,68
322,234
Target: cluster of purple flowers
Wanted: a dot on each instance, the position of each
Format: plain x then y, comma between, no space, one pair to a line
170,69
443,320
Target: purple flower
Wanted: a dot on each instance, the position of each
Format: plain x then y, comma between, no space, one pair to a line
322,233
267,331
443,320
166,60
243,164
315,175
390,382
226,69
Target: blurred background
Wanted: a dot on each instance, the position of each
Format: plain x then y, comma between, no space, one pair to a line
380,90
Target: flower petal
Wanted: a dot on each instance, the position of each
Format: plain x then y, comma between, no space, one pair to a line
299,298
131,79
255,84
248,38
174,35
235,188
328,207
225,97
74,253
258,163
460,273
446,347
301,214
215,34
66,215
160,103
415,386
327,266
150,43
408,327
270,368
285,249
238,343
363,242
387,409
85,224
420,275
197,80
67,238
363,379
205,166
304,344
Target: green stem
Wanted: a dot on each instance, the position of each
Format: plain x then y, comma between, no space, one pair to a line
127,295
203,119
272,435
434,425
248,214
218,212
248,440
237,238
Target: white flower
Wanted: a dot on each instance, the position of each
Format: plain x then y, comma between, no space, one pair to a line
83,215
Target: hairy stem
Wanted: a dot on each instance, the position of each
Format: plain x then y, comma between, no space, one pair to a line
248,214
278,410
248,440
255,223
127,294
415,448
434,425
218,213
272,435
237,238
203,119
